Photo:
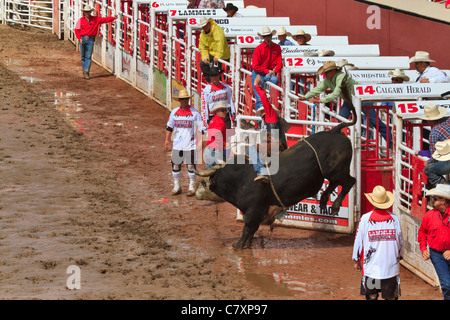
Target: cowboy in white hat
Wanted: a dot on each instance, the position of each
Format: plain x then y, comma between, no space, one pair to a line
379,245
398,76
434,236
184,127
301,37
212,45
345,65
439,168
232,11
217,135
427,73
282,36
86,29
326,53
266,62
437,118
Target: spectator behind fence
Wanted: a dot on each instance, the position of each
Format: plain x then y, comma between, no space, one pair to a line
427,73
193,4
437,171
282,35
266,62
212,45
232,11
213,4
379,245
434,236
345,65
86,29
302,37
437,118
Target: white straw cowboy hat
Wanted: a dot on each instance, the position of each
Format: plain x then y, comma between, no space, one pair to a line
441,190
421,56
380,198
251,6
302,33
442,152
282,31
344,63
183,95
203,22
219,106
397,73
266,31
328,66
433,112
87,8
326,53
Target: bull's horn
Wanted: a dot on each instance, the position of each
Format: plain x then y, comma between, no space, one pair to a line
209,172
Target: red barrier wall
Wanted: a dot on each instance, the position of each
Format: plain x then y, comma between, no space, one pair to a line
400,34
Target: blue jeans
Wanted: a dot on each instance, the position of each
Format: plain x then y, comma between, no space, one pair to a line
442,267
258,166
345,112
436,170
264,78
211,155
86,50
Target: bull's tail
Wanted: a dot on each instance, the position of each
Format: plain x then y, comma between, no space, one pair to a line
347,96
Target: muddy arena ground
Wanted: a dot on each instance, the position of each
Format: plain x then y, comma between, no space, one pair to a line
85,181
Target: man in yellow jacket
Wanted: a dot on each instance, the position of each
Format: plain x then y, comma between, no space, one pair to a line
212,45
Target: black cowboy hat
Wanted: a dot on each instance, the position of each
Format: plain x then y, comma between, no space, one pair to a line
229,7
215,71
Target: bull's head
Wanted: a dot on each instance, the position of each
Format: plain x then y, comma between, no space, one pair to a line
203,191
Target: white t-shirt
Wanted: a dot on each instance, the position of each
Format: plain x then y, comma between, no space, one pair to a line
381,245
210,97
186,127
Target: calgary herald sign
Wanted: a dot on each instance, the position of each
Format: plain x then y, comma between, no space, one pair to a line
398,91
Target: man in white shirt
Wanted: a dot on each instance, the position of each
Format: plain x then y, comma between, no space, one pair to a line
185,128
379,247
427,73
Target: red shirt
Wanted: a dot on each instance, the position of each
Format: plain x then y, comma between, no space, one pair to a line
271,115
267,58
434,231
90,28
217,132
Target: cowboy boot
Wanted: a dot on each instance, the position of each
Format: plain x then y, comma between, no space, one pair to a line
191,191
176,187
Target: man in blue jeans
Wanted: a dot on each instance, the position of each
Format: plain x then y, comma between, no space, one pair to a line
86,29
434,236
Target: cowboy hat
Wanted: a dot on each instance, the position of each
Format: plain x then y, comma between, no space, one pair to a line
251,6
266,31
229,7
282,31
433,112
397,73
380,198
326,53
215,71
328,66
442,152
421,56
183,94
203,22
219,106
302,33
441,190
344,63
260,111
87,8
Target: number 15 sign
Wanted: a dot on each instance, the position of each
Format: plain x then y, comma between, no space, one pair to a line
414,109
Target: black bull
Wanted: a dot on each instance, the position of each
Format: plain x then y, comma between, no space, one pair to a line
299,176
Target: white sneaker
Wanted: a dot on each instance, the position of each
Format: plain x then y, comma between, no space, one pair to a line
191,191
176,187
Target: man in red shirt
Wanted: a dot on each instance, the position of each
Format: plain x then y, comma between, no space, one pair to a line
266,62
434,231
86,29
217,131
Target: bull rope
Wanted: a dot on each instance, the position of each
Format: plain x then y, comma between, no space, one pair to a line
270,176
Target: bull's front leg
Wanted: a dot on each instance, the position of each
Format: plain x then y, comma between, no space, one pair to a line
252,219
326,195
346,186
